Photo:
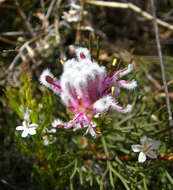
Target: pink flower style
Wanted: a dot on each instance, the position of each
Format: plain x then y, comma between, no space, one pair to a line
86,90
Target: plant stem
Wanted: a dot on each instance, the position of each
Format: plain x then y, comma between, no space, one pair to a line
161,63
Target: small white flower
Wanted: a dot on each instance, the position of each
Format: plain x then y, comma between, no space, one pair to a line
27,128
48,137
75,6
146,149
71,16
74,13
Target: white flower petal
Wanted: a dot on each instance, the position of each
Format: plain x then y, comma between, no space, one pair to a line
24,133
92,132
142,157
75,6
32,131
20,128
34,125
136,147
78,126
155,145
46,142
151,154
51,131
25,123
143,140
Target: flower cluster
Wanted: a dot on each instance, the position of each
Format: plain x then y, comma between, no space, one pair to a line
146,148
27,128
86,90
74,13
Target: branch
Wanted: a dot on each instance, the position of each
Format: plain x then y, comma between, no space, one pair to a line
5,40
24,18
20,50
162,63
103,157
12,33
50,8
133,8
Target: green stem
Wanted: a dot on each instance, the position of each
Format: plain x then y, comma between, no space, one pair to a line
105,146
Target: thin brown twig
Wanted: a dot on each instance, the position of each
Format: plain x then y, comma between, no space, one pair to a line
153,81
7,6
133,8
50,8
157,93
22,48
103,157
57,23
156,29
42,5
24,18
168,83
5,40
12,33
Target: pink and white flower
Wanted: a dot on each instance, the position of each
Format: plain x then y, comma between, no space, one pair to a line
86,90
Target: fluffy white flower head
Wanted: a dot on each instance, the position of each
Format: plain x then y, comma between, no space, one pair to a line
85,89
146,149
78,75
